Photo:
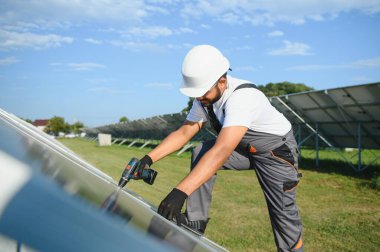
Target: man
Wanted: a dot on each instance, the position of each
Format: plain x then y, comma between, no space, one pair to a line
252,134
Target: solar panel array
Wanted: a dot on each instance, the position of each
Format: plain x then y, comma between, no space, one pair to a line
344,117
157,128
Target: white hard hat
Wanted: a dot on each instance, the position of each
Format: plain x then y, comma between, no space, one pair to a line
201,68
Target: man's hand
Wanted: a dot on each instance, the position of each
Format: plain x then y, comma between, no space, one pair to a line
171,206
144,163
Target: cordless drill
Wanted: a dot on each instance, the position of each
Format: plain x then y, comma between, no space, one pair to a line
131,172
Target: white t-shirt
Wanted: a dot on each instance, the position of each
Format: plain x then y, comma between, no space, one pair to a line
247,107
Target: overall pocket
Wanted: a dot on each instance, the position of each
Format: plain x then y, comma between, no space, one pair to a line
289,195
283,152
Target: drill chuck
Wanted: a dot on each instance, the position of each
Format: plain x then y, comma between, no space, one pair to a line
122,182
128,172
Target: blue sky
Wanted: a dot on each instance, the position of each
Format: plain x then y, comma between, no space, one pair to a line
98,60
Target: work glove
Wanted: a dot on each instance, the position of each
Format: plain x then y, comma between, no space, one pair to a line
170,207
144,163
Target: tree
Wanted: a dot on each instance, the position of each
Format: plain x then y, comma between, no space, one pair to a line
27,120
270,89
123,119
57,124
282,88
76,127
189,104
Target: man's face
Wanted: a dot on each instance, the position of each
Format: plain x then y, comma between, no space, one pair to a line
211,96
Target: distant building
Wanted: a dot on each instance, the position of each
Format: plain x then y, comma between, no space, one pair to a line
41,124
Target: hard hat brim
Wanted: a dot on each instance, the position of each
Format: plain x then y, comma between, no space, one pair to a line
193,92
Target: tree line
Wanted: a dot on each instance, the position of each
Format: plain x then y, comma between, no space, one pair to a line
271,89
57,124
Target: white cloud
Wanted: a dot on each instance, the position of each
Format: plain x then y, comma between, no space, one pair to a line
8,61
291,48
14,40
361,79
230,18
150,32
317,17
153,32
162,1
93,41
243,48
61,14
26,16
86,66
374,62
159,85
80,10
275,34
183,30
174,46
102,90
179,46
206,26
270,12
367,63
138,46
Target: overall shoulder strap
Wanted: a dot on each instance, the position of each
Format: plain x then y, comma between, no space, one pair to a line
245,85
215,124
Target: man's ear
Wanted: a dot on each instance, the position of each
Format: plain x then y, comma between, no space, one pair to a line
223,82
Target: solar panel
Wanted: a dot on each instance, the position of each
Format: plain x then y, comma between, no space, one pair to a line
347,117
50,200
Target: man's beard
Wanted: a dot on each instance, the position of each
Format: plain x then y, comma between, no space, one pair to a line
212,101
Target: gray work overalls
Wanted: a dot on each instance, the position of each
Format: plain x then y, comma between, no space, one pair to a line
275,161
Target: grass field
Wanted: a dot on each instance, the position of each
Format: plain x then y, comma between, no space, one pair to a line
340,208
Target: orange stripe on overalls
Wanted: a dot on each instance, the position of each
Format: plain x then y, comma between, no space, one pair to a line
252,149
299,244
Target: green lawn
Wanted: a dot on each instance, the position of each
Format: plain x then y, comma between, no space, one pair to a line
339,208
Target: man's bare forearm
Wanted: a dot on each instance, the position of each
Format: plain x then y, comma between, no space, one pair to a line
171,143
174,141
